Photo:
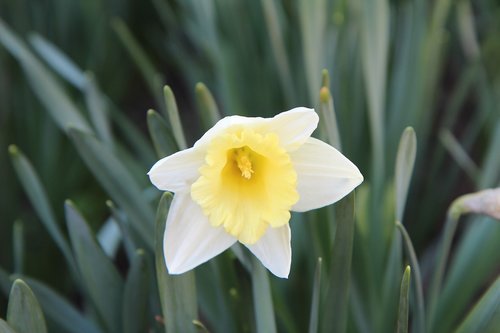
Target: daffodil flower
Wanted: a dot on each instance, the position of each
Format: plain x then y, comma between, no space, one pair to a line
239,182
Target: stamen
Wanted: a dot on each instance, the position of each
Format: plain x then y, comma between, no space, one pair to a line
244,163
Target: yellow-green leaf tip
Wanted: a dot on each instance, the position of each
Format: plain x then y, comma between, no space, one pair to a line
324,95
13,150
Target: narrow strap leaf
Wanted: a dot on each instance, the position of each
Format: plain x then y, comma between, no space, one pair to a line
100,277
337,295
485,316
420,313
24,314
405,161
136,295
38,198
404,298
314,318
177,292
209,112
263,303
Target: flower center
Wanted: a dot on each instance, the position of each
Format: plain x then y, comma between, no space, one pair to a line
247,184
242,158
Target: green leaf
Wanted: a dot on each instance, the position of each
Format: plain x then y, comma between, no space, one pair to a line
141,59
459,154
117,181
404,299
405,161
5,328
336,302
173,117
485,316
58,61
466,274
38,197
313,19
160,134
263,303
135,299
420,310
271,10
314,318
329,119
101,279
208,110
48,90
97,108
59,311
18,246
177,292
24,314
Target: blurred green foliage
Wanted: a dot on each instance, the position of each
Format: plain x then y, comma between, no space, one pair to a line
77,78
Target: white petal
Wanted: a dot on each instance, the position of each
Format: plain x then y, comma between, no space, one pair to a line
177,171
293,127
225,123
190,239
324,175
274,251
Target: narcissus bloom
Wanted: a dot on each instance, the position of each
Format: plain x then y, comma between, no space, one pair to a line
239,182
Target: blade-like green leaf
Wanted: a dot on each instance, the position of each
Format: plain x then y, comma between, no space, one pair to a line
485,316
5,328
59,311
314,318
313,18
209,112
458,153
135,299
404,298
58,61
97,108
18,246
271,10
101,279
38,197
173,117
160,134
336,304
24,313
420,310
117,181
329,119
405,160
141,59
263,302
177,292
51,94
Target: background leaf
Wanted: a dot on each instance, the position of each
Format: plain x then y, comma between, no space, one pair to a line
101,279
24,313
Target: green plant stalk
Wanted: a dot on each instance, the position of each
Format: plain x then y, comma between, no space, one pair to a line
420,317
442,256
263,303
